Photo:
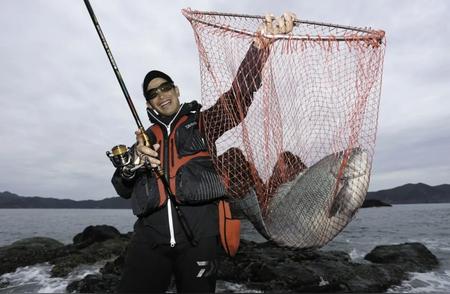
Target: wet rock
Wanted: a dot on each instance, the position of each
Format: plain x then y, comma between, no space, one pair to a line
27,252
94,284
93,234
4,284
270,268
260,266
412,257
95,243
105,282
114,267
95,252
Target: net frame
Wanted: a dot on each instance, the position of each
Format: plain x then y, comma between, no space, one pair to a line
365,47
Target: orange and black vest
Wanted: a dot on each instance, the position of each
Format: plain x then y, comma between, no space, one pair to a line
186,162
189,169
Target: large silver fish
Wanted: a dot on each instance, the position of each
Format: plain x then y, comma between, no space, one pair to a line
313,208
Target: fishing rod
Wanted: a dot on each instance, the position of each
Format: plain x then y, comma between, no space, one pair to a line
115,68
119,154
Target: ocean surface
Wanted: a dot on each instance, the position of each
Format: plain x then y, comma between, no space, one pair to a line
425,223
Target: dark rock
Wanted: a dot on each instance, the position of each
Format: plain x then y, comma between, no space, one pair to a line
114,267
412,257
105,282
89,255
94,284
260,266
270,268
96,243
94,234
4,284
374,203
26,252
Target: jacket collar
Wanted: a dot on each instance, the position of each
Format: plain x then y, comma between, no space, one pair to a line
185,108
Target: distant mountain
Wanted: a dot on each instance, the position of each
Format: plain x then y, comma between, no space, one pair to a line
10,200
413,193
406,194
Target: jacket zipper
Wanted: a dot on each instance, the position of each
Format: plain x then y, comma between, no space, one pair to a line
166,174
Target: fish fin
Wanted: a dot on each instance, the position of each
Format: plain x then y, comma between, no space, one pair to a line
339,200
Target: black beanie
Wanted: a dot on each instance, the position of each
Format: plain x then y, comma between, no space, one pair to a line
152,75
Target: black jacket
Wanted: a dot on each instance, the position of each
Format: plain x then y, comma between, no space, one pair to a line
196,183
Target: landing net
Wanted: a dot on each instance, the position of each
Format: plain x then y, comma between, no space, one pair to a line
297,162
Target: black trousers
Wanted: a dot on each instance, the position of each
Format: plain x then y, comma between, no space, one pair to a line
149,268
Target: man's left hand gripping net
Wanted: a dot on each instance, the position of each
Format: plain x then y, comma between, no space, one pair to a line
296,157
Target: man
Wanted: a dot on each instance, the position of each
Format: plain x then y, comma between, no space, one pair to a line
179,236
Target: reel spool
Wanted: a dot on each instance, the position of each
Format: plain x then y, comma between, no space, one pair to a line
119,155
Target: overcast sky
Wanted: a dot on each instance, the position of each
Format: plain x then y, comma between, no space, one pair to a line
61,106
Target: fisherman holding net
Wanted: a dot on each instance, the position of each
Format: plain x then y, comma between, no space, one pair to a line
182,240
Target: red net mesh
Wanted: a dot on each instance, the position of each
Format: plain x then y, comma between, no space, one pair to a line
296,162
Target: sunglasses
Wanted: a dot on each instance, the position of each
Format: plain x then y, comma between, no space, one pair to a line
153,93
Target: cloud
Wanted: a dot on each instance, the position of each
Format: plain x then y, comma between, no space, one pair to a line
61,106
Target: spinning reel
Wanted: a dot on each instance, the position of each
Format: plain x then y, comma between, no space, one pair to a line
120,156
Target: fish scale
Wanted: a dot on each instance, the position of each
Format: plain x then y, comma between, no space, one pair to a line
298,214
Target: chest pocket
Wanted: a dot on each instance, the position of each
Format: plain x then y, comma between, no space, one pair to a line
189,140
192,173
197,182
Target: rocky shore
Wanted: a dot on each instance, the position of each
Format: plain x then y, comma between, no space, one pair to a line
260,266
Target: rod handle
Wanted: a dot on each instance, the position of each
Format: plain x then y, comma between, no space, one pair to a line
145,137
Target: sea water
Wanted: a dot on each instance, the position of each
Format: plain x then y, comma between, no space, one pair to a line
425,223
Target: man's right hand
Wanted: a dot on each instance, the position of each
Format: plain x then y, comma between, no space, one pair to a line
145,153
274,26
278,25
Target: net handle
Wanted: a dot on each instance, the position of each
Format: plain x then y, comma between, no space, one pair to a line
377,35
